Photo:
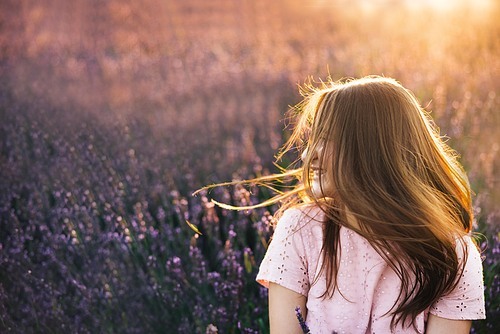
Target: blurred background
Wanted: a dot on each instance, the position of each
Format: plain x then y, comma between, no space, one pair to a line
114,112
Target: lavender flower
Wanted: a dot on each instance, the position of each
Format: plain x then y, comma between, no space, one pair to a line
302,322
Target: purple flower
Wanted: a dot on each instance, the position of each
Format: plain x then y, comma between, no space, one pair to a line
302,322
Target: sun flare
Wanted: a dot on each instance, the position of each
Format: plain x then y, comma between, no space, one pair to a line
445,5
436,5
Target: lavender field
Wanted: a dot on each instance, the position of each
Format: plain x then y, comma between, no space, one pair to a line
114,112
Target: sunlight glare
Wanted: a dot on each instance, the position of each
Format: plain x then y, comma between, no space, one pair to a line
445,5
437,5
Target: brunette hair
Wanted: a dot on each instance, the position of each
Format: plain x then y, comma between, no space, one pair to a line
393,173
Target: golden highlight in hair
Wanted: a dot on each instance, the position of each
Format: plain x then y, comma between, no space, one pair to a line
395,182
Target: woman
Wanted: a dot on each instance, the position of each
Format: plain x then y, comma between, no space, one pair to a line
375,236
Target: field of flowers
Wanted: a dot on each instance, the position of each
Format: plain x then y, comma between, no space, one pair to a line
114,112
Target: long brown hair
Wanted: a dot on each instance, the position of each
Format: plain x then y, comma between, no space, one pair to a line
393,174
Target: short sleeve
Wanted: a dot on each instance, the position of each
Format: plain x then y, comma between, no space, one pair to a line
466,301
285,262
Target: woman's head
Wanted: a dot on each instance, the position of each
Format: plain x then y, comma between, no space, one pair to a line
368,140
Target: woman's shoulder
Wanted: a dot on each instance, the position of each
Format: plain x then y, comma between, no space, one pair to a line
303,221
466,300
302,215
466,248
294,249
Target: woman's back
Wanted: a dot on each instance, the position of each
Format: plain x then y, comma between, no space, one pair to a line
367,287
